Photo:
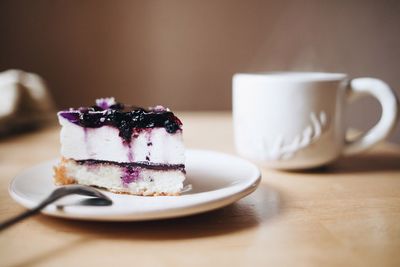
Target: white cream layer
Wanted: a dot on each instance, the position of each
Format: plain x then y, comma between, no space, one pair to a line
104,143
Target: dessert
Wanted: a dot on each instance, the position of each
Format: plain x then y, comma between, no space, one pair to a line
121,148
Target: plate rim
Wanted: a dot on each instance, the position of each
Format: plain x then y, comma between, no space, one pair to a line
172,212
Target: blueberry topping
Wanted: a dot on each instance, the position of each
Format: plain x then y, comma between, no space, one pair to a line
72,116
127,119
105,103
171,126
117,106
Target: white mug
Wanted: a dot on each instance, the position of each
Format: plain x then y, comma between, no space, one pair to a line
295,120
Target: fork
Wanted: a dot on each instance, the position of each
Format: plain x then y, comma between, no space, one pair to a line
99,199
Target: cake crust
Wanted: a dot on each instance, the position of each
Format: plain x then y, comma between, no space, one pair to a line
60,174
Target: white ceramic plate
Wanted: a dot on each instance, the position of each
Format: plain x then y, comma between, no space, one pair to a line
217,179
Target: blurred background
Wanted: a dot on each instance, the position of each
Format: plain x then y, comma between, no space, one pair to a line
182,54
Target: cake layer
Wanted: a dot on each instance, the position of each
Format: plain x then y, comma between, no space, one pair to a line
130,179
153,145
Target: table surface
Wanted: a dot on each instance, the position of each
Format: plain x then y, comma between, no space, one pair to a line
347,214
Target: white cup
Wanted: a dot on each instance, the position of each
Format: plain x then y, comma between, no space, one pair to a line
295,120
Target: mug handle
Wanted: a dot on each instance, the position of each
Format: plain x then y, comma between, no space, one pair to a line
387,98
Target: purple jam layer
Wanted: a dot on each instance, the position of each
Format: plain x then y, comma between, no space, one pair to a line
131,171
125,118
144,165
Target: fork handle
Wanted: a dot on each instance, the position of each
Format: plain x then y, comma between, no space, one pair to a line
22,216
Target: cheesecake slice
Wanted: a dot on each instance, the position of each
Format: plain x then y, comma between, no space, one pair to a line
121,148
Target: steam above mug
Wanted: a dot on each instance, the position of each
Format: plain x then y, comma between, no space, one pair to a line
295,120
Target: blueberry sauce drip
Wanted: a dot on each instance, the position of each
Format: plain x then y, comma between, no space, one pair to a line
144,165
127,119
129,147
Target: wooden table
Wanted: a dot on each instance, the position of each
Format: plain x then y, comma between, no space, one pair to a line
347,214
